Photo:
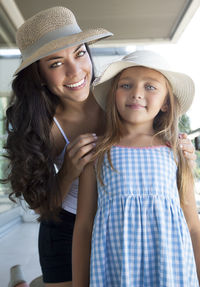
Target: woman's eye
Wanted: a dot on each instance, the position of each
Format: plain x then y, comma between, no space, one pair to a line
81,53
56,64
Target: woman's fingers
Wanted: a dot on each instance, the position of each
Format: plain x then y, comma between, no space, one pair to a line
85,160
83,151
188,149
190,156
78,154
186,144
80,143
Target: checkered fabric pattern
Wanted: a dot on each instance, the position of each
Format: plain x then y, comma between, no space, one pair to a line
140,236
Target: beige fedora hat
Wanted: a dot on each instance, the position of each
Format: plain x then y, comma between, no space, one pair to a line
182,85
52,30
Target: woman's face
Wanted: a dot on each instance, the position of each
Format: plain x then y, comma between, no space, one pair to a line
68,73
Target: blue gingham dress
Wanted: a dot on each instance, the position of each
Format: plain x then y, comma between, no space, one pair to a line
140,236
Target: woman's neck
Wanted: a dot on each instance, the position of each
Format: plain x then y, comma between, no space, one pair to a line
70,109
81,118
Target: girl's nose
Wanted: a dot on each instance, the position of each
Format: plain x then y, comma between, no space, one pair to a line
137,93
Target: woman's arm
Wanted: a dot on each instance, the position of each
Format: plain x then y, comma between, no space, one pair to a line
87,205
188,149
77,155
192,218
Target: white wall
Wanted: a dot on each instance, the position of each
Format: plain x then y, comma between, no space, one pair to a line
7,68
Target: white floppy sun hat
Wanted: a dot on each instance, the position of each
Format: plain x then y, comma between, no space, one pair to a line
182,85
52,30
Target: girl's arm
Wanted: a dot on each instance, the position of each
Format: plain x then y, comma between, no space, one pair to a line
192,218
87,205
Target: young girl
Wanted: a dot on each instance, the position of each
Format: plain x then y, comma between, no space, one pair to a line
146,230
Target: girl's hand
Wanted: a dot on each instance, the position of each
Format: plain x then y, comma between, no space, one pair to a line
188,149
78,154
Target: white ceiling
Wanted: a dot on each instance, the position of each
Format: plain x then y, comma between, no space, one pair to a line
131,21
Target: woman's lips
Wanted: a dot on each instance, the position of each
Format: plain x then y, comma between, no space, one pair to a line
77,85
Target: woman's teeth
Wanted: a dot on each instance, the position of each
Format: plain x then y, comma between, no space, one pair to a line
76,84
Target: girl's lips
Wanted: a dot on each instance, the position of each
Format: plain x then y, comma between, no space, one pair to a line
135,106
77,85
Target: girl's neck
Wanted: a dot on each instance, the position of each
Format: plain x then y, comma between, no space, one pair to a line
140,138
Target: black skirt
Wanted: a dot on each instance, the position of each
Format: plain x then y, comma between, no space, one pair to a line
55,248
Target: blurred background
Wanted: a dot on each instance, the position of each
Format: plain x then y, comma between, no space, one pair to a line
169,27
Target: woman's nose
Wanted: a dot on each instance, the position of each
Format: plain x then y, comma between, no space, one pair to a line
71,68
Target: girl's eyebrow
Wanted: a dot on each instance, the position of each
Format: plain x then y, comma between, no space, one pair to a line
125,78
144,79
151,79
59,57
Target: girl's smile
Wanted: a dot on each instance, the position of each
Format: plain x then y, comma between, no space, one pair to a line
135,106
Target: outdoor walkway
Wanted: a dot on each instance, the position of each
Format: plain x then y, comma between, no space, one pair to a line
19,246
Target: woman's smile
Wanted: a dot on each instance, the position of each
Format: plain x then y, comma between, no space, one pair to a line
77,85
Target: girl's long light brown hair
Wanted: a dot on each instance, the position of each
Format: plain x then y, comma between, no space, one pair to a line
166,127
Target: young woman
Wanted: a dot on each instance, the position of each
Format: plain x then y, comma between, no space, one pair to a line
52,123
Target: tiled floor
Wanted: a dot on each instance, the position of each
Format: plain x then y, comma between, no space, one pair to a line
19,246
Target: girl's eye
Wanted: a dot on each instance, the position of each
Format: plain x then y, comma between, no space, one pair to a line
81,53
56,64
150,87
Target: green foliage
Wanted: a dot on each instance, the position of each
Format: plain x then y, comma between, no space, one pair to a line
184,124
197,169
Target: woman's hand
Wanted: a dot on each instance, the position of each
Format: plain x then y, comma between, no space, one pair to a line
78,154
188,149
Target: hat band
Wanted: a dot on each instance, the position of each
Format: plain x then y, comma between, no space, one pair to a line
50,36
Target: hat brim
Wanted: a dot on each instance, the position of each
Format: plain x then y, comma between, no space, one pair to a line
89,36
182,85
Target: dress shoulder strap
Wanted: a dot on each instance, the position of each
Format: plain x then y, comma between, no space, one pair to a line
61,130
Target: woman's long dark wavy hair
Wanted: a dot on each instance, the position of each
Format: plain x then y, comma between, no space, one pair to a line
29,120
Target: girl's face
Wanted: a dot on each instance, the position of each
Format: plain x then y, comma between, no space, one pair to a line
141,93
68,73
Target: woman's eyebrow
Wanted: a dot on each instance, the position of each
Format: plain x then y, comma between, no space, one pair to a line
59,57
78,48
54,58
